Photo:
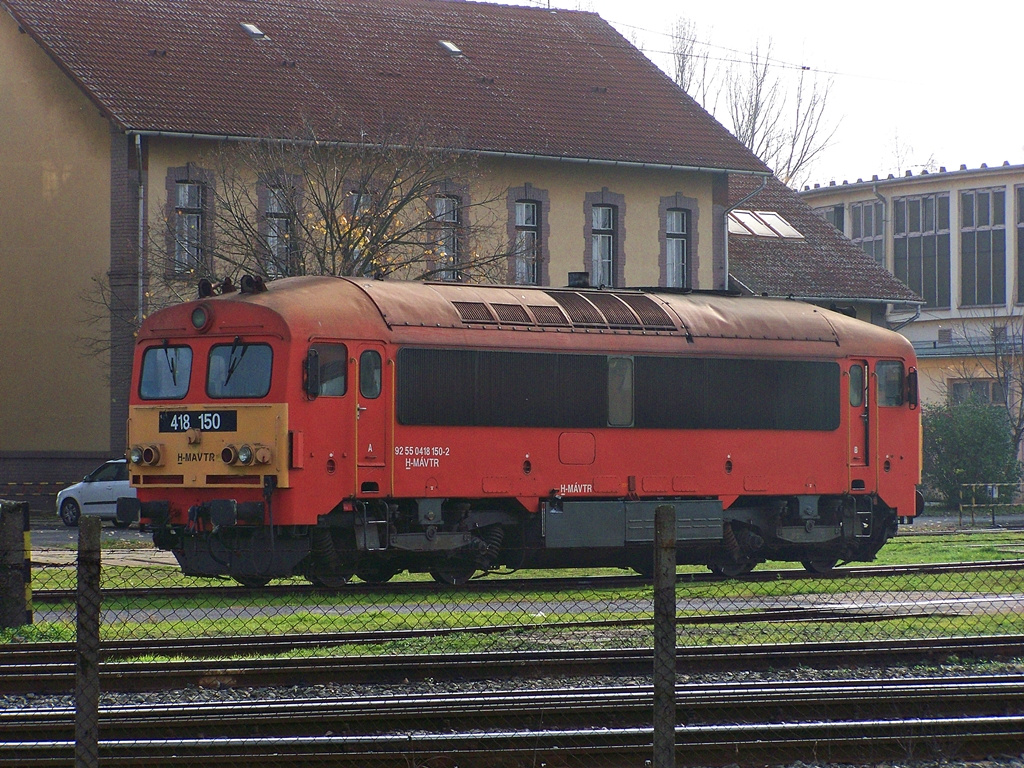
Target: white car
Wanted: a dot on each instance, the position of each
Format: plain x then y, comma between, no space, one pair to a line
96,495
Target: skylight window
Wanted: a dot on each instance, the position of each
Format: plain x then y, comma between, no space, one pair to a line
253,31
761,224
451,47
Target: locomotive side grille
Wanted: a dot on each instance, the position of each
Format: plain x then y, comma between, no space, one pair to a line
548,315
580,311
473,312
651,315
512,313
615,312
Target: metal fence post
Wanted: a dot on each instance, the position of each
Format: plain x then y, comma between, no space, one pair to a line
15,566
87,669
665,636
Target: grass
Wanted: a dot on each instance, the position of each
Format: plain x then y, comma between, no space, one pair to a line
533,614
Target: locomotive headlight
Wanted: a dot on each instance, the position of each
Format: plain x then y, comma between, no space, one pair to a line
146,455
246,455
229,455
201,317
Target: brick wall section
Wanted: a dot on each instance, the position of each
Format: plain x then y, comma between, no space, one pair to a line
36,477
124,277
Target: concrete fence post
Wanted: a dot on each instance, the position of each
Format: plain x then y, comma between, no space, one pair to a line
87,650
15,565
665,636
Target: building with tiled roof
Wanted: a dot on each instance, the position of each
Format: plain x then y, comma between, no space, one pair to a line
957,239
111,109
810,260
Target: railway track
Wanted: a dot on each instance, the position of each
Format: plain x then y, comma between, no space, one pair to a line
766,722
214,662
491,586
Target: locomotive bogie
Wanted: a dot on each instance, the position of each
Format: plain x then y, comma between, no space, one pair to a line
331,427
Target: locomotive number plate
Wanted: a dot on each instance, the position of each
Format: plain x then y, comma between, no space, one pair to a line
204,421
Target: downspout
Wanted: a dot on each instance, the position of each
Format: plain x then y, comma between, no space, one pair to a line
141,298
886,220
725,222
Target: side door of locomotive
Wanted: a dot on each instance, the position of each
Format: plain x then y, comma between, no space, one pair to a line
372,403
859,418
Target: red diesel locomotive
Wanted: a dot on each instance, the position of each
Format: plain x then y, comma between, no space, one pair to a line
327,427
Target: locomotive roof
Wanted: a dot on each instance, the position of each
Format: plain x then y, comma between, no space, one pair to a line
411,311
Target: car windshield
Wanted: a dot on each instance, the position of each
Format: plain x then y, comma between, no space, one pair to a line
239,370
165,373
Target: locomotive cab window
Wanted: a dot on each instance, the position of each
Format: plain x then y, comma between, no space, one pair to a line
239,370
331,374
620,391
165,373
370,374
890,383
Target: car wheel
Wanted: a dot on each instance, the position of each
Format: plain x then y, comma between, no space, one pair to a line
70,512
122,524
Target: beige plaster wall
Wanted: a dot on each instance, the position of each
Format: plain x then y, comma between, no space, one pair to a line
567,185
54,236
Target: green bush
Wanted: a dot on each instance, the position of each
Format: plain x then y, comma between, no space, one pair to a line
967,443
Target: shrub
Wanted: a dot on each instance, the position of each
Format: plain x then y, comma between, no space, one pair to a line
967,443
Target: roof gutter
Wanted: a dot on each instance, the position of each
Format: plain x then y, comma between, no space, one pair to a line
479,152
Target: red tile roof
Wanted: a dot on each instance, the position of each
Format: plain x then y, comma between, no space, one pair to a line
824,264
531,81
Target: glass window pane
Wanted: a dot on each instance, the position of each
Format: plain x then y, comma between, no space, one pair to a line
966,209
890,383
913,215
239,370
675,222
943,206
983,217
165,373
998,208
899,217
620,391
370,374
856,386
928,214
333,364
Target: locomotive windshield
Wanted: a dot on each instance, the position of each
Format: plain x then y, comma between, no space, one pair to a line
165,373
239,370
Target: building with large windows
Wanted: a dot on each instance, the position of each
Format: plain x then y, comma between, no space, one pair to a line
956,238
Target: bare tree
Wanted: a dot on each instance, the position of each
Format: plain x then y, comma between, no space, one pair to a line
403,202
786,127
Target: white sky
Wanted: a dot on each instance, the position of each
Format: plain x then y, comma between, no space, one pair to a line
941,80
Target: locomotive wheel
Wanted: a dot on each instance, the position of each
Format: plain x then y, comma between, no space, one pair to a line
69,513
819,566
334,581
375,573
732,569
454,574
253,582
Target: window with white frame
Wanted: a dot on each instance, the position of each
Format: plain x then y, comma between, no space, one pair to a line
921,246
446,214
280,233
527,242
987,391
602,245
983,247
1020,244
677,248
867,228
188,226
833,214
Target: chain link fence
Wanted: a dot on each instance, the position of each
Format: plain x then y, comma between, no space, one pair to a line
927,584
